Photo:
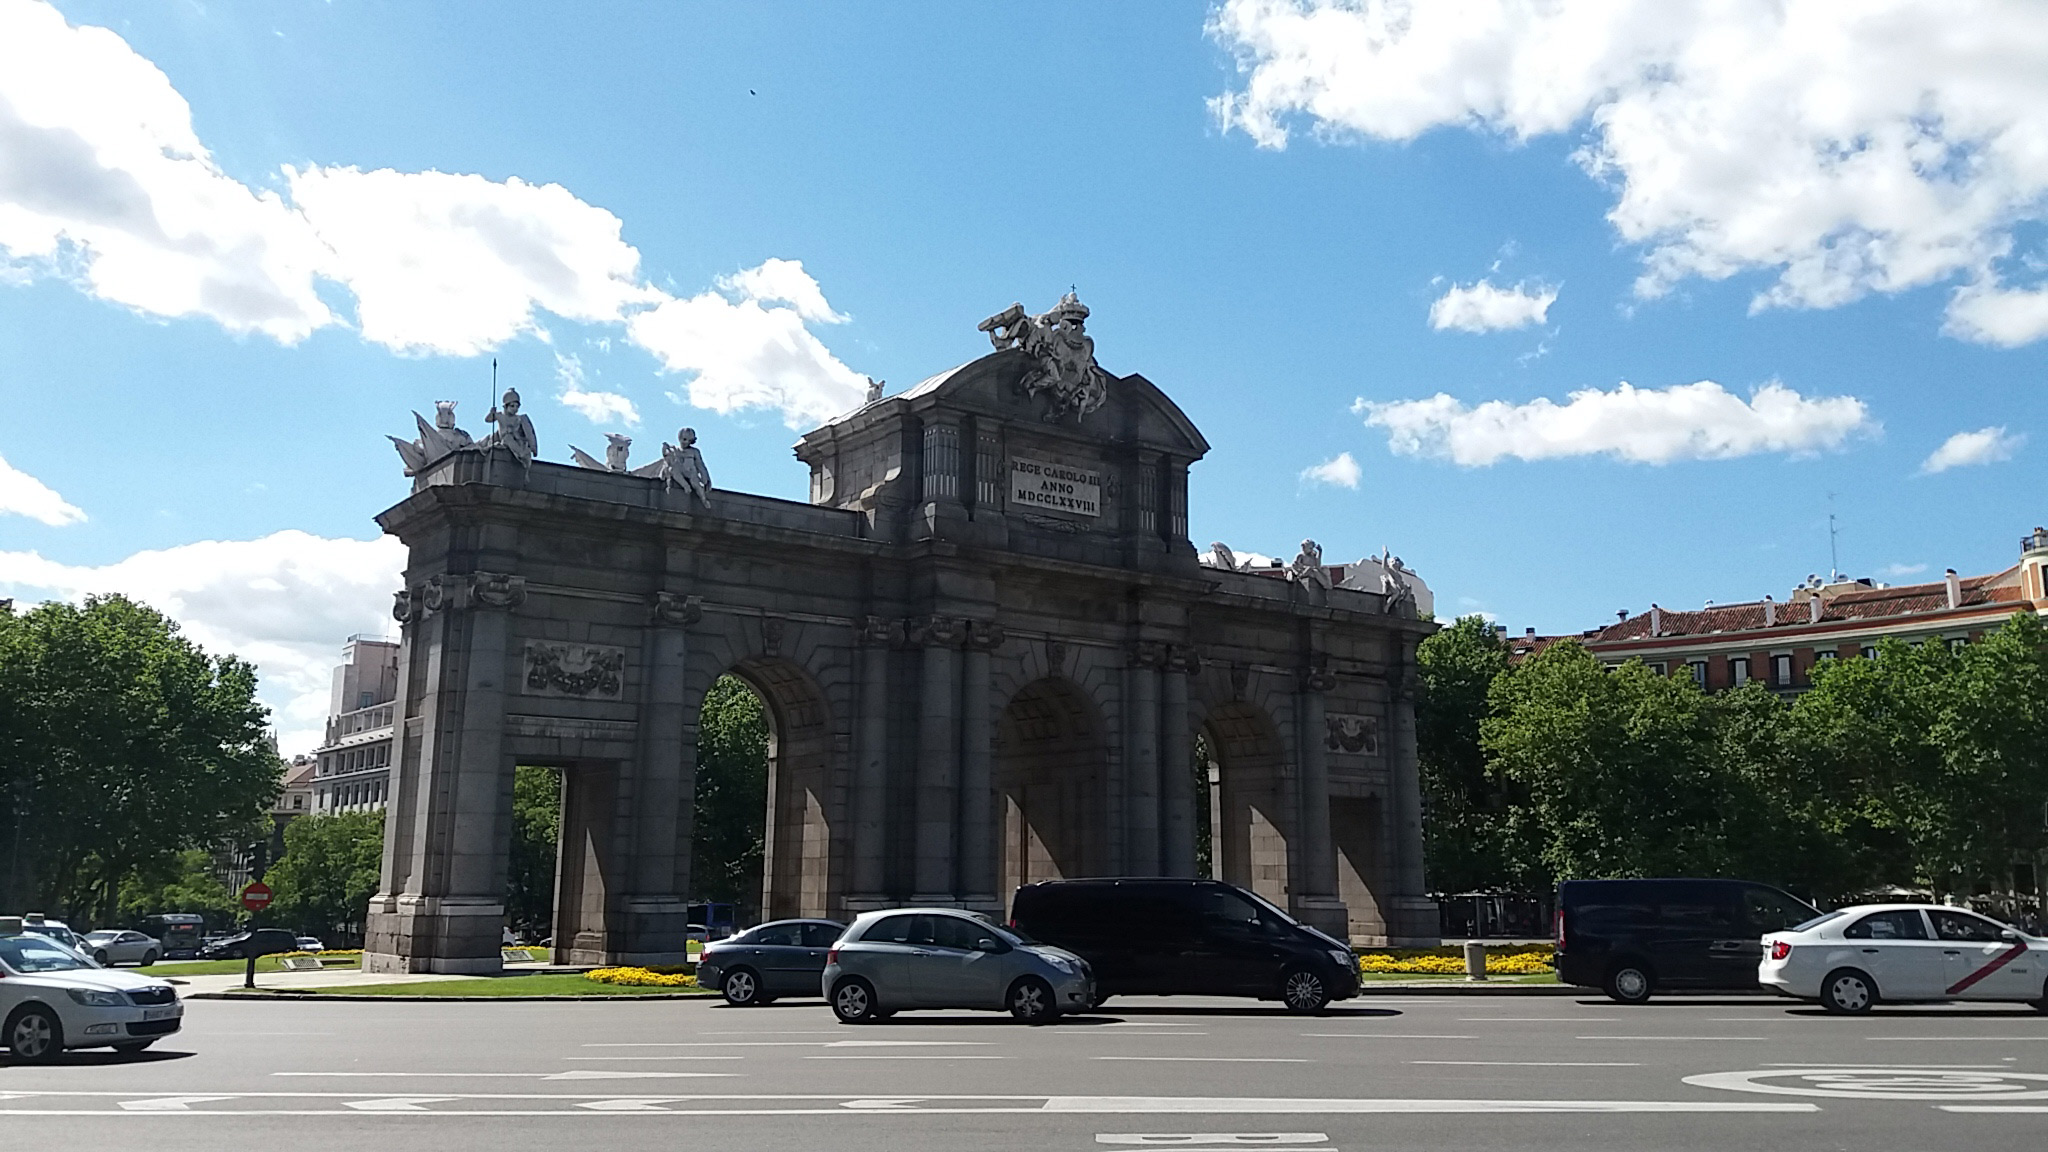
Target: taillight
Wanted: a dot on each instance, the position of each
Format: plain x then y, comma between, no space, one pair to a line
1560,929
832,955
1780,949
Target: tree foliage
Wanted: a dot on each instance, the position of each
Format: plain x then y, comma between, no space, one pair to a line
1464,803
536,832
732,793
122,744
183,882
328,873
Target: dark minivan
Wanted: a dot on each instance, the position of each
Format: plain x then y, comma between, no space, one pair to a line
1186,937
1631,938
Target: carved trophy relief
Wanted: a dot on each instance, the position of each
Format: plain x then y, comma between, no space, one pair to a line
576,671
1351,734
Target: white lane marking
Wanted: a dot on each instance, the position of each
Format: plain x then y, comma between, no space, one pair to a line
1537,1019
909,1044
396,1103
904,1056
1885,1065
1104,1030
169,1103
1388,1036
1158,1139
1970,1039
1881,1083
1993,1107
1749,1019
1215,1059
760,1032
1537,1063
611,1058
1145,1024
1758,1038
621,1074
1268,1105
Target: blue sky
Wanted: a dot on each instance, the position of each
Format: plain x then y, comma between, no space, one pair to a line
928,164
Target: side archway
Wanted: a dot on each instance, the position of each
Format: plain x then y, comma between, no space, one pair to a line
800,865
1050,775
1250,825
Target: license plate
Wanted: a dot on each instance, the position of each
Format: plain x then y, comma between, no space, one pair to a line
163,1013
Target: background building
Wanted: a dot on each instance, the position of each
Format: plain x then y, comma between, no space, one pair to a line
354,769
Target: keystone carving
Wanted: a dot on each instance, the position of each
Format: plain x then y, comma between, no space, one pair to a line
1055,657
772,629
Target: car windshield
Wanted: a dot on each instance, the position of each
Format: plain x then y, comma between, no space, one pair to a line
39,954
1270,907
1816,922
102,937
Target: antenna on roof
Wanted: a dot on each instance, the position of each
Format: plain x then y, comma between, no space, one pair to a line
1834,559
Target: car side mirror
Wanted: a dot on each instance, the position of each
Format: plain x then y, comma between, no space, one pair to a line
2009,936
986,944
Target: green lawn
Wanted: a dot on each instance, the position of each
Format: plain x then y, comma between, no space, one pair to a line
532,984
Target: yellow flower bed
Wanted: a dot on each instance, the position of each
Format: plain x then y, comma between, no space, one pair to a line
642,977
1509,960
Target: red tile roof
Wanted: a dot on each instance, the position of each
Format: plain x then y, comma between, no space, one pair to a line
1862,604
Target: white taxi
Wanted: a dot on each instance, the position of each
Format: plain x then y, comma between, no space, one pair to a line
52,998
1851,959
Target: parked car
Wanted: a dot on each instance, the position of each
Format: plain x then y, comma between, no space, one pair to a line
1851,959
111,946
946,958
310,944
783,958
1187,937
1633,938
261,942
53,998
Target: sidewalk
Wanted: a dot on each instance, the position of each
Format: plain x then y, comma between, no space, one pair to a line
290,981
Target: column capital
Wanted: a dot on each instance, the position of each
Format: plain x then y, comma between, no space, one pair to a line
1314,674
675,609
879,632
496,590
985,635
1148,654
935,631
1183,658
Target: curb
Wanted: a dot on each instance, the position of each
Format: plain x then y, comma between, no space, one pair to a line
1474,988
302,997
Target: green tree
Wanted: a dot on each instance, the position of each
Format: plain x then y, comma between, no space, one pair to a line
329,871
536,830
185,882
1465,804
121,744
732,793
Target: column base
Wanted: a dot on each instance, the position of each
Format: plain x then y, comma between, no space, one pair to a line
1326,914
1414,922
435,934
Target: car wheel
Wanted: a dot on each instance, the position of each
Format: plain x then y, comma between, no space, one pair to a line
853,1001
1630,984
131,1047
34,1035
1847,991
99,957
1303,991
742,988
1030,1000
148,958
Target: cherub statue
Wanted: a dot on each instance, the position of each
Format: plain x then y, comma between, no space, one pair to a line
1394,583
515,432
683,466
615,453
875,389
1223,557
435,440
1308,565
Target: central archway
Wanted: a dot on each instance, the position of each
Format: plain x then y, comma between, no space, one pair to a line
1051,774
1249,820
799,865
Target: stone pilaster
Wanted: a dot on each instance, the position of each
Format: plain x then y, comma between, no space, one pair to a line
1315,897
938,756
870,798
977,879
1141,758
1414,919
1176,759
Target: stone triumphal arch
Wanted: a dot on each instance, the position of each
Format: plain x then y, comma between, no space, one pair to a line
987,647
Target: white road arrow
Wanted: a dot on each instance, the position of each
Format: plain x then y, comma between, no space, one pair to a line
895,1103
629,1104
395,1103
169,1103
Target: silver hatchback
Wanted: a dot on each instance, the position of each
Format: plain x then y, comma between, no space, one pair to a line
946,958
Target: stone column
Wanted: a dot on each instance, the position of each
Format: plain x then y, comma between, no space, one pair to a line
977,783
1316,895
1141,760
1415,920
938,758
655,910
1176,763
870,798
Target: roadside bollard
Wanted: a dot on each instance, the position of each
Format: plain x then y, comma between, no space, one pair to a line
1475,960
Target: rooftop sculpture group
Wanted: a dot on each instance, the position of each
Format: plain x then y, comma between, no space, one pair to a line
681,464
1062,353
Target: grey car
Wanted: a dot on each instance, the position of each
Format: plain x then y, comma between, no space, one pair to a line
946,958
767,961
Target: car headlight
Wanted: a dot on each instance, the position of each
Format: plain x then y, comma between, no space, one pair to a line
96,998
1061,963
1342,957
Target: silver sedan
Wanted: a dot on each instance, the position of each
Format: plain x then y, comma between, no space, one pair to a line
946,958
110,947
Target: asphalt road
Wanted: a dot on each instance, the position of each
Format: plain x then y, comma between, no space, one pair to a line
1410,1072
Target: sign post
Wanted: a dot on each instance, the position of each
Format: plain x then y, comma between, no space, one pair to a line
255,897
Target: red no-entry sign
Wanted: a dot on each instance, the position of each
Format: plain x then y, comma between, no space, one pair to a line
256,897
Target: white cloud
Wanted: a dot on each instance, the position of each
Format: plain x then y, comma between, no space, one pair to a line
285,602
23,495
1848,148
1485,307
104,180
1340,470
596,407
1895,570
457,264
1701,421
745,355
1984,446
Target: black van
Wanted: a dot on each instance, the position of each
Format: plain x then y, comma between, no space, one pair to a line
1631,938
1173,937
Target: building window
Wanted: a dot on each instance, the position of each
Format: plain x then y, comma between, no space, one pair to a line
1658,668
1956,643
1869,652
1699,672
1825,655
1738,669
1781,671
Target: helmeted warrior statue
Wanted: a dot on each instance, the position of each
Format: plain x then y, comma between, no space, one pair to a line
616,451
515,432
1063,367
